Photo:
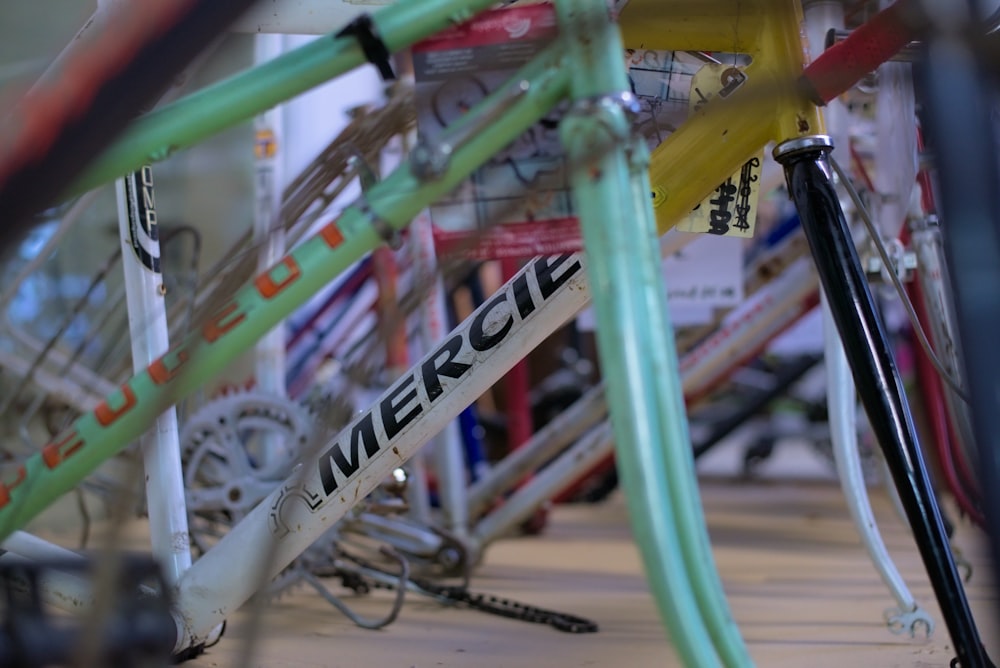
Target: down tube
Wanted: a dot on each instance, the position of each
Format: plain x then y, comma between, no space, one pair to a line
258,307
536,302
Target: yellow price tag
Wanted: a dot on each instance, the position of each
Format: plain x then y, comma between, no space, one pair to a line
731,209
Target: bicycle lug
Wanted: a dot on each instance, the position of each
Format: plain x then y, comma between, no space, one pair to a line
430,160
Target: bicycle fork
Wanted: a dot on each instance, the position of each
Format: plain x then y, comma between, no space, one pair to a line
809,182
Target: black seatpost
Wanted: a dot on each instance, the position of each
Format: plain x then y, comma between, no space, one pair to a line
807,172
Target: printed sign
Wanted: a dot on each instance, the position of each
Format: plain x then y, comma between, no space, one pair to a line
518,205
705,275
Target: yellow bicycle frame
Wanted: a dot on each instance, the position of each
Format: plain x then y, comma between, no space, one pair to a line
718,139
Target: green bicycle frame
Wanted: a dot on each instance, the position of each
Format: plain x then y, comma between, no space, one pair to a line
611,191
253,311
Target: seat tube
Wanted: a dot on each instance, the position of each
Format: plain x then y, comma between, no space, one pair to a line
868,352
611,194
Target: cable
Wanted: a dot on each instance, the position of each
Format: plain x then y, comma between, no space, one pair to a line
897,284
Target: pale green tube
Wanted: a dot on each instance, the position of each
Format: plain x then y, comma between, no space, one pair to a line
617,303
241,97
682,482
636,347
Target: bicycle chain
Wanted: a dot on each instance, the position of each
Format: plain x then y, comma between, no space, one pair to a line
495,605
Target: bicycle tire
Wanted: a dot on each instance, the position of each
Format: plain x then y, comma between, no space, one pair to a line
964,142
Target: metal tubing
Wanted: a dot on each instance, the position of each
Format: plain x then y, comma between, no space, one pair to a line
328,485
935,287
877,379
241,97
546,443
843,432
547,483
447,447
145,299
259,306
611,191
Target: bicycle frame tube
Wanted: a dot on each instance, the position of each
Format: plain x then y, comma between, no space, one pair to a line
405,417
608,176
713,143
253,311
240,98
145,296
119,419
781,304
877,379
790,294
935,286
617,190
451,471
298,512
579,458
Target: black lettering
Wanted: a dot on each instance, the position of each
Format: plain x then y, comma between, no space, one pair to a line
142,216
522,296
432,371
362,433
479,339
720,216
390,410
546,266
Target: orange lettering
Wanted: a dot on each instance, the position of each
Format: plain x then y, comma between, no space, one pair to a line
53,454
161,373
7,488
219,324
331,235
106,415
266,285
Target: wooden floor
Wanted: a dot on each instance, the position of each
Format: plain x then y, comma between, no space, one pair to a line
799,582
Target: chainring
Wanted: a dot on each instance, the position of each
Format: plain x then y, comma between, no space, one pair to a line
235,450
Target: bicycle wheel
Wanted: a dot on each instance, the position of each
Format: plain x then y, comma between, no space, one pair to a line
964,140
